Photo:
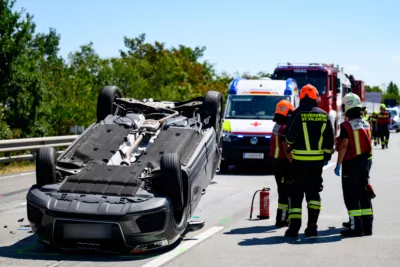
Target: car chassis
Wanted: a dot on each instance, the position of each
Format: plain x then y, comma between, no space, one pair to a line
132,180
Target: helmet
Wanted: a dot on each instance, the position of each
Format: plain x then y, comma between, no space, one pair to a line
376,112
310,91
383,106
283,107
350,101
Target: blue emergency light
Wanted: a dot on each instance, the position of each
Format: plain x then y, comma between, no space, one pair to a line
233,87
290,84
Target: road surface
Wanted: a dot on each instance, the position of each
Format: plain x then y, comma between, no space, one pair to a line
229,237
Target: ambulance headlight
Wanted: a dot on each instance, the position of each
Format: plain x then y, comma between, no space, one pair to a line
226,137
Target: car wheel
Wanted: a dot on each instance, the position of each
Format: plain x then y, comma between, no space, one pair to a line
171,179
45,166
213,105
105,101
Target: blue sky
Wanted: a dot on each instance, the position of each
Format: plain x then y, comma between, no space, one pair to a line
363,36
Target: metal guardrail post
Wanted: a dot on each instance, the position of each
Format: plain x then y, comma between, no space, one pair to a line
32,144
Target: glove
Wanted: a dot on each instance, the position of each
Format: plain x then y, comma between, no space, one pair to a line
371,192
337,170
325,163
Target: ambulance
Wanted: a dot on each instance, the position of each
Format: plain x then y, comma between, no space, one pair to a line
247,121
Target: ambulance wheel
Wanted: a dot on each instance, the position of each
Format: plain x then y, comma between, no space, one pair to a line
224,166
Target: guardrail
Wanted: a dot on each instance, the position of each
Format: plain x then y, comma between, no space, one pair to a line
32,144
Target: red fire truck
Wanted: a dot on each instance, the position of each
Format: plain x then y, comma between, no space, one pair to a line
330,80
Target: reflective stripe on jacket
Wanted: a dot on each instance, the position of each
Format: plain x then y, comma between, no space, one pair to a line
310,134
359,133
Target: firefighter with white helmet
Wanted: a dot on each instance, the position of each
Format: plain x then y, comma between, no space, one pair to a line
355,151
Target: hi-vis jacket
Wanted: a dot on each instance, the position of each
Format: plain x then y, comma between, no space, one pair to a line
360,137
310,134
276,150
383,118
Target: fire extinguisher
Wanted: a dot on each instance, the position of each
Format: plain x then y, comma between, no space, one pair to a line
264,203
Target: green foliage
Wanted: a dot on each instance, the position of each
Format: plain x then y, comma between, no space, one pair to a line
373,89
42,94
391,92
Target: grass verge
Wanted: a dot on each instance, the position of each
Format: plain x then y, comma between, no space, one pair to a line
16,167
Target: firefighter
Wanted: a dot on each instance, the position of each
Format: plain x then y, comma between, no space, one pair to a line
383,122
310,134
281,160
365,113
355,153
374,130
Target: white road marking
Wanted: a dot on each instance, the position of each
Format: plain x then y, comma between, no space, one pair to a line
329,165
13,205
186,245
3,177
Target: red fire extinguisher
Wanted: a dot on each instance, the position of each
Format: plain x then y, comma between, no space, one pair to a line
264,203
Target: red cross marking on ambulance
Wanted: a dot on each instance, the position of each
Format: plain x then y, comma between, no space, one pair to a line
255,124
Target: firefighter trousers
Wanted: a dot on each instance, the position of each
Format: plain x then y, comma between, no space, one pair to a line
307,180
375,134
355,176
282,173
384,134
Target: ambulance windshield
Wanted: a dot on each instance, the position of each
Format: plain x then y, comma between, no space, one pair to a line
252,106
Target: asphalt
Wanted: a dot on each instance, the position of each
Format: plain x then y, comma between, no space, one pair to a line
229,237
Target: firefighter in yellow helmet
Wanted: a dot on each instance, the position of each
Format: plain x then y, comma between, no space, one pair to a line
374,129
383,122
309,133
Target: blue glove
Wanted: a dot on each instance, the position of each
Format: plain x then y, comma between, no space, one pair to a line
325,163
337,170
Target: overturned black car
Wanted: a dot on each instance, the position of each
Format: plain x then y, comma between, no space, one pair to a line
132,180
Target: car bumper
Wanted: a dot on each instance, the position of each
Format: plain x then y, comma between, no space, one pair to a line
131,230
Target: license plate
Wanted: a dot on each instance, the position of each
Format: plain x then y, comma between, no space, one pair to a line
87,231
253,155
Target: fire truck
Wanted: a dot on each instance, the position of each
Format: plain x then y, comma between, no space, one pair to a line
330,80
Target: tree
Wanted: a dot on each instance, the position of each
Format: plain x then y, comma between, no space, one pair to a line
373,89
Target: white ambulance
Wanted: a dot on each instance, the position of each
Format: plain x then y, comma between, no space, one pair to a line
247,123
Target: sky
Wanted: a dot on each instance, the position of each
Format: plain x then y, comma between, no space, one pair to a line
362,36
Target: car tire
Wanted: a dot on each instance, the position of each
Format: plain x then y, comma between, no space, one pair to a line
46,166
105,101
213,105
171,179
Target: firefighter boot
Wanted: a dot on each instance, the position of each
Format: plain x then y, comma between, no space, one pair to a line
367,221
281,218
387,143
355,228
294,227
346,224
375,141
312,226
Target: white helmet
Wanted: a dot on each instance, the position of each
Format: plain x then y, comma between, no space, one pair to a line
350,101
